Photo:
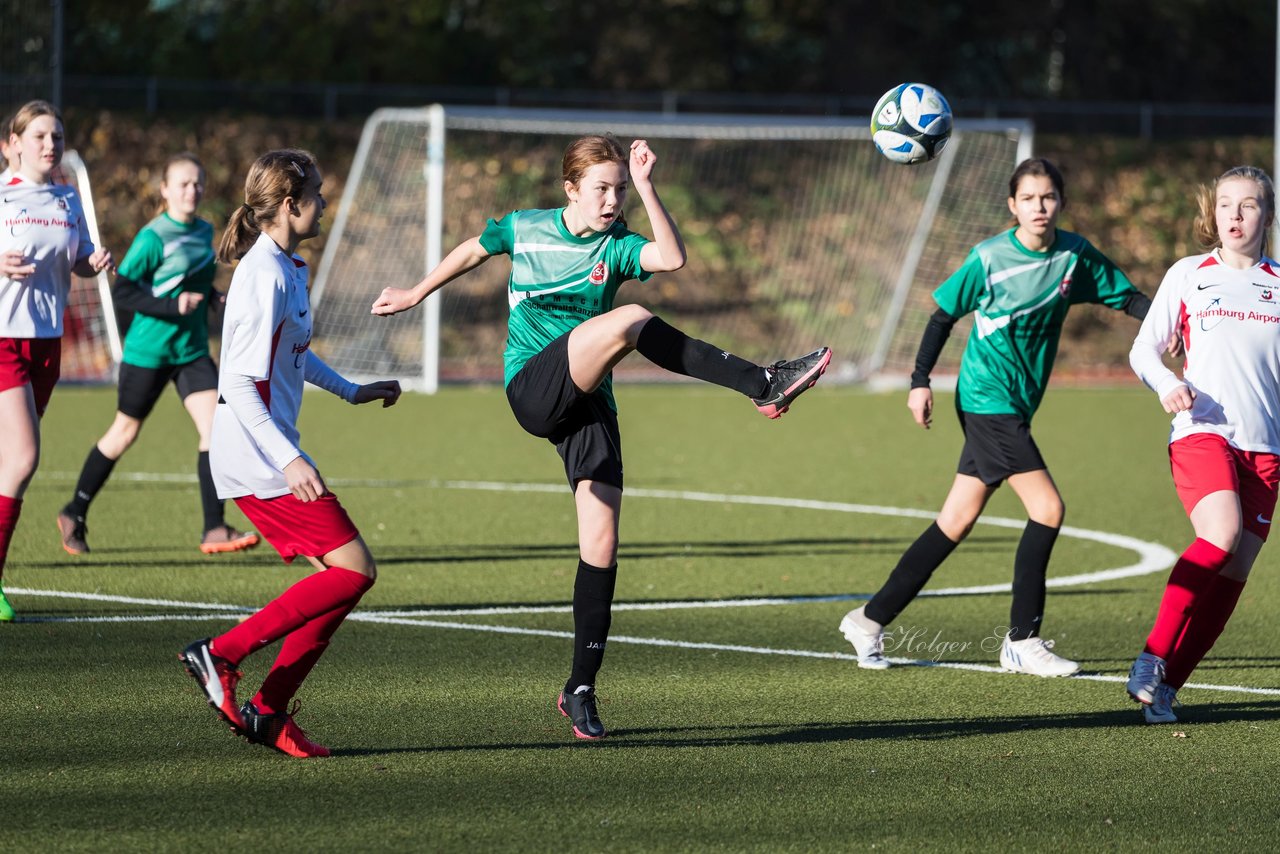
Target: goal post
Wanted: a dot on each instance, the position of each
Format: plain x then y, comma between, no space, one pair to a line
91,348
798,232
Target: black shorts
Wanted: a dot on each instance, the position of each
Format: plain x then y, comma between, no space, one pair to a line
140,388
583,427
996,446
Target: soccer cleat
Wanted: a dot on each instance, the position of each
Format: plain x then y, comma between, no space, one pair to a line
6,610
788,380
227,539
869,646
1160,709
218,678
72,530
1145,677
280,732
580,708
1035,656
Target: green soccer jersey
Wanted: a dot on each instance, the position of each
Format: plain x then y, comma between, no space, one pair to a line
558,279
1020,299
170,257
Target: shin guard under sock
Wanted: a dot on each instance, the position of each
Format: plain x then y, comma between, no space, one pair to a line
1030,565
301,650
592,613
93,476
1216,605
669,348
910,575
1190,576
210,504
308,599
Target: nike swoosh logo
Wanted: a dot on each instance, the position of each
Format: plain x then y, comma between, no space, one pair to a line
214,686
303,313
776,399
1202,287
1262,521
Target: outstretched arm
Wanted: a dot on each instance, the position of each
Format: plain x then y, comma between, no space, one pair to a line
666,251
465,257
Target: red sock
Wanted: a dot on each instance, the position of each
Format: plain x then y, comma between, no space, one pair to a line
300,652
1213,609
1192,573
311,597
10,510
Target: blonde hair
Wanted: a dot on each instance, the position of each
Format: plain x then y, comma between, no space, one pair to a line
272,178
1206,222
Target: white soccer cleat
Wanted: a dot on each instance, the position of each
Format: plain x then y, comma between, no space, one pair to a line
1160,710
1035,656
868,645
1144,677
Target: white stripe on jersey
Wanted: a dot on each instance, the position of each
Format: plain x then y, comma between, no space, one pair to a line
1229,321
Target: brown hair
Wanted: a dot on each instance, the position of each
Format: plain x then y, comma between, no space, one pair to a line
180,157
1040,168
31,111
586,151
272,178
1206,223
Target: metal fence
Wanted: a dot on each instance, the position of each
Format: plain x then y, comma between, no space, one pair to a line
332,101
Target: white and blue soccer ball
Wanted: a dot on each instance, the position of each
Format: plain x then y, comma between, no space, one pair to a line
911,123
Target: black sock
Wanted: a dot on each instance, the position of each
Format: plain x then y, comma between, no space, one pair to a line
97,468
1029,568
912,572
592,598
209,501
668,347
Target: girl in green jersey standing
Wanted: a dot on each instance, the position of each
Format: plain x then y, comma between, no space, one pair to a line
564,339
166,280
1019,285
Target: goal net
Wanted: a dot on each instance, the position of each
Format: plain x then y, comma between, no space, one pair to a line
798,233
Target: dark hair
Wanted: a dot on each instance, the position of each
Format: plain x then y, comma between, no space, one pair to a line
1040,168
1206,223
586,151
272,178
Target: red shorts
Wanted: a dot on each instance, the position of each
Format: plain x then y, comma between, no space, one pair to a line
1204,462
294,527
34,361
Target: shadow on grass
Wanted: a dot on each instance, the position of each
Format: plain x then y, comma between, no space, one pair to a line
926,729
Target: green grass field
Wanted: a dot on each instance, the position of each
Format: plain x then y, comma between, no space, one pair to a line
732,728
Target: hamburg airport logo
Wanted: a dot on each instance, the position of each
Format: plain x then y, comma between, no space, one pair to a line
597,274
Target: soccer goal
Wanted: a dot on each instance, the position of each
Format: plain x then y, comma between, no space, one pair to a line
90,338
799,233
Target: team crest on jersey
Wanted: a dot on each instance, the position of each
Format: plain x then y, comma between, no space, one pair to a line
597,274
1266,295
62,203
1064,287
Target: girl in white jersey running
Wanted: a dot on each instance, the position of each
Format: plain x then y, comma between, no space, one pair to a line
564,339
43,240
255,458
1224,448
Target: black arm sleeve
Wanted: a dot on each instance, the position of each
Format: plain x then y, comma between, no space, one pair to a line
931,343
1136,305
133,296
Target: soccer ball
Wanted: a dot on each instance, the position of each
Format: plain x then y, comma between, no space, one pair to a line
911,123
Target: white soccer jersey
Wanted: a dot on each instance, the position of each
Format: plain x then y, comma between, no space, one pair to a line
1229,321
46,223
266,335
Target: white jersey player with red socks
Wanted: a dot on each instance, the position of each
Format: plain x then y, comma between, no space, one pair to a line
1224,446
255,458
43,240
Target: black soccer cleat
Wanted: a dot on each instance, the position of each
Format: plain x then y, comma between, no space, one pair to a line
580,709
218,678
788,380
71,529
280,732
